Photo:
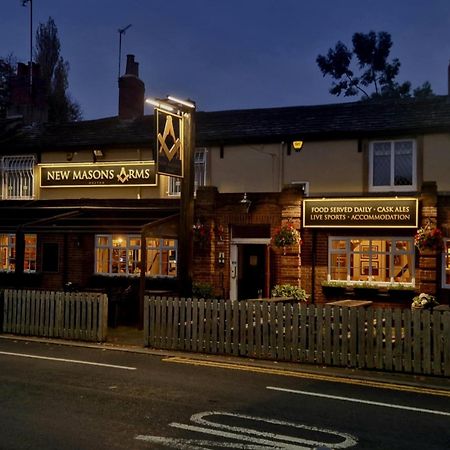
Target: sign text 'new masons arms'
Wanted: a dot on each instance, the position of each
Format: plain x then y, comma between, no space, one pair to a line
360,213
112,174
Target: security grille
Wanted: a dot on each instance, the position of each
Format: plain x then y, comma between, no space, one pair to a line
18,177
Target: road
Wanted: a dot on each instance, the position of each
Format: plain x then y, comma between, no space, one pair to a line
63,397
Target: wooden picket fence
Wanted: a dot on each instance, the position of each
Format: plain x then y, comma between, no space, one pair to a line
68,315
373,338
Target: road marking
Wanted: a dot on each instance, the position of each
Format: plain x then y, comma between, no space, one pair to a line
249,438
74,361
356,400
311,376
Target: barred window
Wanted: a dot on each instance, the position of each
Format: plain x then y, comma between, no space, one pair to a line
18,177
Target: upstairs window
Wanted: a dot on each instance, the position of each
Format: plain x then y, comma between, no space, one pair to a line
392,166
199,174
18,177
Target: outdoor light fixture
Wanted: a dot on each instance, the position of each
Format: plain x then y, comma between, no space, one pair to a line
245,201
159,104
181,102
97,154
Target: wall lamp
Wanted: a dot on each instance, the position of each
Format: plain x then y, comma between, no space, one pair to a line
245,201
97,154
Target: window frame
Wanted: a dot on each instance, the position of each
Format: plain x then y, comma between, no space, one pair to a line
11,247
392,186
127,249
445,263
200,172
392,253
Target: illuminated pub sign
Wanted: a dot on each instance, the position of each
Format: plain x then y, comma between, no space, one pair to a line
106,175
360,213
169,143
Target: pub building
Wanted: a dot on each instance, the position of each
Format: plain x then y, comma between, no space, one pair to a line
82,202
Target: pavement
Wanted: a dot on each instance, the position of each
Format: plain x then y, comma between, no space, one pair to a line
128,339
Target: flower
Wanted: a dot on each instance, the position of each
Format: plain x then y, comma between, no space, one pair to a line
428,238
200,233
286,235
423,300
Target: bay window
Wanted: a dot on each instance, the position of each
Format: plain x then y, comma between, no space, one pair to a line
379,260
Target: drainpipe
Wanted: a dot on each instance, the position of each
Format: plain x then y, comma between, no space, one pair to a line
281,167
313,265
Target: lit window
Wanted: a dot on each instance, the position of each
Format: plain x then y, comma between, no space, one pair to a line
18,177
446,265
392,166
8,253
121,255
377,260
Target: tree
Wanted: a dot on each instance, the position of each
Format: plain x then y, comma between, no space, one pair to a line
376,72
54,72
7,66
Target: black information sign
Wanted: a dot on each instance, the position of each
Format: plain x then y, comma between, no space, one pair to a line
106,175
360,213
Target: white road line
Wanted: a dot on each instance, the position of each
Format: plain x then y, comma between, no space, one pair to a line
251,438
356,400
73,361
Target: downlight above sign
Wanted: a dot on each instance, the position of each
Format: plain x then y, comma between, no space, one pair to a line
393,212
98,175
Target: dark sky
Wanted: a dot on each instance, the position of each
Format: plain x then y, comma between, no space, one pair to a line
228,54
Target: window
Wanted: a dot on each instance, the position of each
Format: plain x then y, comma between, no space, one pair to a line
199,174
377,260
392,166
121,255
8,253
446,265
18,177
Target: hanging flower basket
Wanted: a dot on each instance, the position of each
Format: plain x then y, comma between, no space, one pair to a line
285,236
200,234
428,238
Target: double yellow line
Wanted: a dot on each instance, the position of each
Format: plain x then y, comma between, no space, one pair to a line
311,376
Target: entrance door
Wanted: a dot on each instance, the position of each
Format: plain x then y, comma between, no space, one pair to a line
252,270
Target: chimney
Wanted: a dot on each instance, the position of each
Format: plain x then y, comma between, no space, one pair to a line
131,91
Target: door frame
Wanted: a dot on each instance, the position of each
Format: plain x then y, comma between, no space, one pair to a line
234,261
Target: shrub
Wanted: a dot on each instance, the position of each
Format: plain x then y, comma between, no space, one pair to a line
288,290
202,290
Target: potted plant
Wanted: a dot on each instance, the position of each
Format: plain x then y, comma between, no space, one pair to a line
365,290
334,288
285,236
424,301
288,290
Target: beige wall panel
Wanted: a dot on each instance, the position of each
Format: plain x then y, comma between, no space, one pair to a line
252,168
436,160
330,167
